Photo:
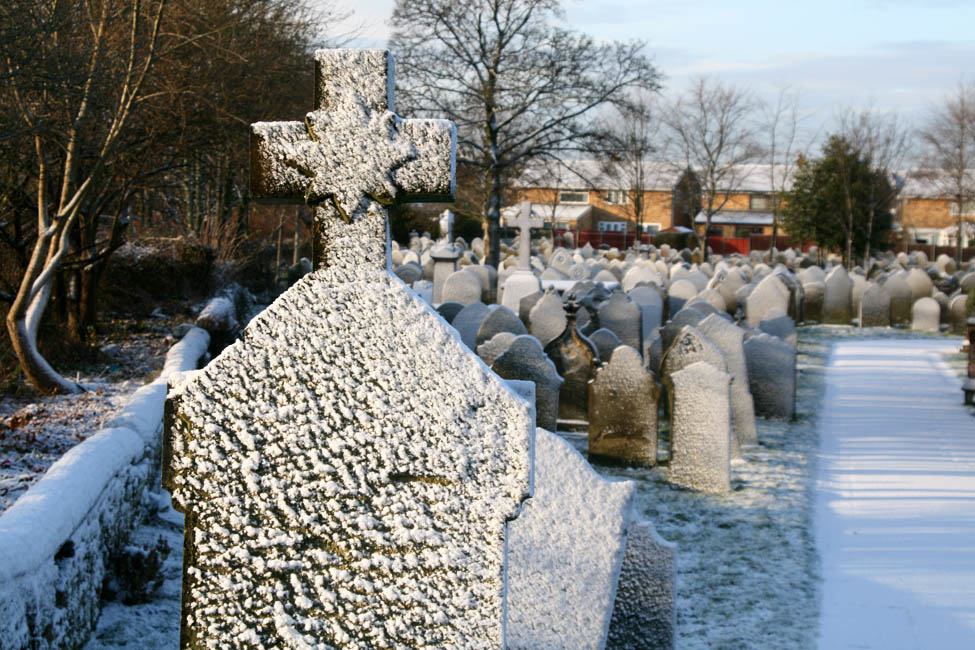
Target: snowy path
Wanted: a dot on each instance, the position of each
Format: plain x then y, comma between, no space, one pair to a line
895,507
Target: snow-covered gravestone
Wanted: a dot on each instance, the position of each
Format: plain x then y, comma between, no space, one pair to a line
701,437
522,282
335,495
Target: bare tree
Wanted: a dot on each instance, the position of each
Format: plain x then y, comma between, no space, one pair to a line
636,139
781,122
75,127
948,138
518,85
884,142
712,130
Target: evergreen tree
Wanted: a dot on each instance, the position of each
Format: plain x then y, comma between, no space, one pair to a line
834,200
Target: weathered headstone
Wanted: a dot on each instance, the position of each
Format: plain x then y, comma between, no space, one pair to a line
926,315
575,358
462,286
546,320
605,342
812,309
444,265
838,298
645,612
770,294
566,551
297,463
495,346
900,299
623,411
730,340
875,307
679,292
525,359
622,316
771,375
701,435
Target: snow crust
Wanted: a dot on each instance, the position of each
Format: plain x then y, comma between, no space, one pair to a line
347,470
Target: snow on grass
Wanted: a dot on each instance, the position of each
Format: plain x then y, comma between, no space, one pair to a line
746,561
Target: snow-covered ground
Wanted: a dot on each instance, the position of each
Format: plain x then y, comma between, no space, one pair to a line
895,514
35,431
748,569
746,561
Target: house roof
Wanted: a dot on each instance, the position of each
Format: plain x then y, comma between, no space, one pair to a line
737,218
660,175
548,212
930,183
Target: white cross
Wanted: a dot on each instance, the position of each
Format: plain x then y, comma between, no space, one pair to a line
524,223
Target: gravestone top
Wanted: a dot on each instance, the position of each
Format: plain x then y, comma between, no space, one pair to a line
447,226
524,222
351,156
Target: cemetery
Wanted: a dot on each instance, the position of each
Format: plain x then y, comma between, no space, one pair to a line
516,439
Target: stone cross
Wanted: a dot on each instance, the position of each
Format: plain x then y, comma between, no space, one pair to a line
447,226
334,496
352,156
524,223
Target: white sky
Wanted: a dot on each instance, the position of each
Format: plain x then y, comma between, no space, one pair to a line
898,55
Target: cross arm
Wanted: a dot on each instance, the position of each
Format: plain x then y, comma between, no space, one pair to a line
430,175
273,148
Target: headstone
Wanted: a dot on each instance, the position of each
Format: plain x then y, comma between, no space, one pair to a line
566,552
838,298
780,325
463,287
605,342
680,292
444,265
730,340
622,316
920,284
701,435
575,358
468,321
771,375
900,299
488,276
645,612
517,286
958,313
449,310
769,295
623,411
812,309
547,318
875,307
524,359
296,462
409,273
494,347
926,315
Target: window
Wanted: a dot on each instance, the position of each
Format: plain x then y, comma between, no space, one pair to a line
968,209
760,203
612,226
617,197
650,228
574,196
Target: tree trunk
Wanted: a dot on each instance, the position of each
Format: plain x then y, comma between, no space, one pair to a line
493,216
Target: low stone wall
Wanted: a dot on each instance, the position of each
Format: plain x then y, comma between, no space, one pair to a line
56,539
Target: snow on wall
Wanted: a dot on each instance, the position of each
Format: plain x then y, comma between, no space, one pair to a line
343,485
54,541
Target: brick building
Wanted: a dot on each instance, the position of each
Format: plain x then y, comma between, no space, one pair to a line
927,215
